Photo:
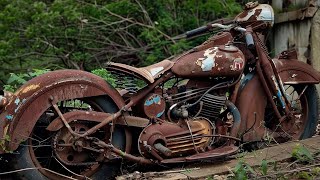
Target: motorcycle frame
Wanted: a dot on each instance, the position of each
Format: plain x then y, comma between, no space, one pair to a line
265,69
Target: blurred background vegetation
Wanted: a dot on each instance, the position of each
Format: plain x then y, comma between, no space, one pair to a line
85,34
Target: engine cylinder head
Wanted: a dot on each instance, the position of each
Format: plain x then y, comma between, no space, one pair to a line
212,105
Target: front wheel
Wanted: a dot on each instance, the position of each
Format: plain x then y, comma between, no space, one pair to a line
53,155
303,122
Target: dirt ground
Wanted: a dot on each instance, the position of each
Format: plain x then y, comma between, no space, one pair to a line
291,160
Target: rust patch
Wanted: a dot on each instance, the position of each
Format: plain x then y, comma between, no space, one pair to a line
212,62
95,116
76,90
292,71
176,137
30,88
154,106
24,109
208,62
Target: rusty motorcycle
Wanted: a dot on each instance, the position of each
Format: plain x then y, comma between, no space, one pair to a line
200,105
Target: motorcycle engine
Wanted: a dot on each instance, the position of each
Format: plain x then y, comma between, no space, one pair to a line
209,106
164,139
212,105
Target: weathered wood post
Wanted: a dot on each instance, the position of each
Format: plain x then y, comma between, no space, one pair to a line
297,25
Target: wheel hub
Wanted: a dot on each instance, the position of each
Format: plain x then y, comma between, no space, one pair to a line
72,151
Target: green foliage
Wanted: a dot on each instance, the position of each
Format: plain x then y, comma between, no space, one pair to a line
241,170
302,154
264,167
309,174
103,73
304,175
85,34
3,141
16,80
316,171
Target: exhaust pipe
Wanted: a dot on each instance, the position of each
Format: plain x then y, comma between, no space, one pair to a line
236,117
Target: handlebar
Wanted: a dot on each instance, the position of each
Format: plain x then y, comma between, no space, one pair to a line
197,31
240,29
204,29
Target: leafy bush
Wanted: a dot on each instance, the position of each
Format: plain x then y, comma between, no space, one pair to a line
16,80
86,34
103,73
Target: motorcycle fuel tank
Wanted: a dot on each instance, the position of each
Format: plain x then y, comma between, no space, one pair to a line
220,61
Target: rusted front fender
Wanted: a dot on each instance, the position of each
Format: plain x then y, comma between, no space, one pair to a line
296,72
32,100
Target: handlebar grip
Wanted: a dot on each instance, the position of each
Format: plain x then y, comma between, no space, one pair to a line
249,40
197,31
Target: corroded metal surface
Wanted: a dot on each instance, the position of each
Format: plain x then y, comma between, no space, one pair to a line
214,154
252,116
219,39
190,120
3,101
5,97
295,72
153,106
32,99
176,137
212,62
217,153
95,117
74,152
255,13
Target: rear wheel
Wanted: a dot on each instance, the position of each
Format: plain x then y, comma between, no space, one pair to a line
53,155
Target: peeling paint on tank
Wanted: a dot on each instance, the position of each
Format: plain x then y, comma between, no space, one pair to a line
226,61
208,62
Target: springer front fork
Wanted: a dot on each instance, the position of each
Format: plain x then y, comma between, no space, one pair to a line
272,83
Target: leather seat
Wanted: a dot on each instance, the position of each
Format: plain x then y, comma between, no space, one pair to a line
148,73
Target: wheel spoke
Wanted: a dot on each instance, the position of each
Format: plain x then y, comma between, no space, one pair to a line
51,150
292,127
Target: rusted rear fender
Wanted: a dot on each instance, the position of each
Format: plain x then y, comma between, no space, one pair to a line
296,72
32,99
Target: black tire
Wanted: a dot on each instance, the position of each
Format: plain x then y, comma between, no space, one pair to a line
22,158
305,102
313,114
